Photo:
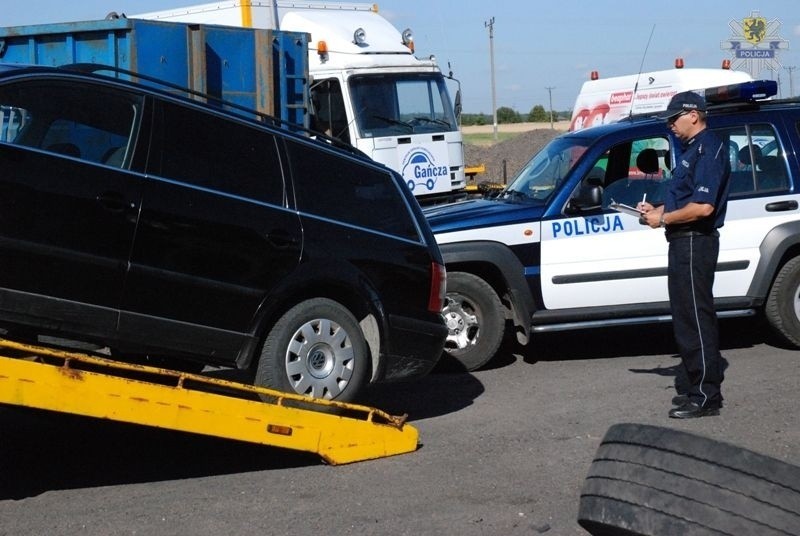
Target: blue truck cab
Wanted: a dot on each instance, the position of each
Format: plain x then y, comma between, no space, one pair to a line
550,253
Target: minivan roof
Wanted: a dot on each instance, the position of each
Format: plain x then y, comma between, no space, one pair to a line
90,71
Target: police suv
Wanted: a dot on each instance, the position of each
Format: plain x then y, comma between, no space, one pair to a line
549,253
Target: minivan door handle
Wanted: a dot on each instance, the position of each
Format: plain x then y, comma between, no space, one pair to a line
781,206
281,239
114,201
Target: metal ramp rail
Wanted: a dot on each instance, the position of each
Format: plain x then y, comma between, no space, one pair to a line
82,384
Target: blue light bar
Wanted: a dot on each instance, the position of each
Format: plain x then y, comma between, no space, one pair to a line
743,92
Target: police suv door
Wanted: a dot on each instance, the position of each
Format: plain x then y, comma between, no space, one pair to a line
604,257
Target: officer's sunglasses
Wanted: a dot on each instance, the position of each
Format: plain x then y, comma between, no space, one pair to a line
674,118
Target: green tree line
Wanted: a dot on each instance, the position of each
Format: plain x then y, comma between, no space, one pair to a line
538,114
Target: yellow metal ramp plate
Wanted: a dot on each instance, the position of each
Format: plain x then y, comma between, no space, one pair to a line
82,384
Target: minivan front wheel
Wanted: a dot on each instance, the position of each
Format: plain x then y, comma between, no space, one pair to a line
315,349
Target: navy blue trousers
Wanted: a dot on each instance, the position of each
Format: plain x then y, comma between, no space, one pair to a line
690,273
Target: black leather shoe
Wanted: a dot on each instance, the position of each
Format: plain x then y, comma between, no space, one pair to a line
691,410
680,400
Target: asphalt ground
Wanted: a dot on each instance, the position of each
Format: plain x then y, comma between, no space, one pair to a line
504,450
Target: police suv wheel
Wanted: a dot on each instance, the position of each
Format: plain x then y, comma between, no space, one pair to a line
315,349
651,480
783,303
474,318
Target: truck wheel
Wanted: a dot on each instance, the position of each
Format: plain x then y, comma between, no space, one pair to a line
783,303
474,318
650,480
315,349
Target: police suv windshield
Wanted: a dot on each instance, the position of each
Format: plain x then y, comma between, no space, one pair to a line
544,172
401,104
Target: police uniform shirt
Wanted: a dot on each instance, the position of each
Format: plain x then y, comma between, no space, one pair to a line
700,176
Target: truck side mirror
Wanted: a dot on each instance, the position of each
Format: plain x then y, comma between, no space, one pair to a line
457,106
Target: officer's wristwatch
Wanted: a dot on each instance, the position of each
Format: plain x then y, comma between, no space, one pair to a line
661,221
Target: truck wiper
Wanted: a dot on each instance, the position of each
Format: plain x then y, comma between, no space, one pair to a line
394,122
429,120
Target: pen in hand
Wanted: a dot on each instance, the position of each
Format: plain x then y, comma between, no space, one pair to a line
642,219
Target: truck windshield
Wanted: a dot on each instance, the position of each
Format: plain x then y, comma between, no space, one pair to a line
540,177
401,104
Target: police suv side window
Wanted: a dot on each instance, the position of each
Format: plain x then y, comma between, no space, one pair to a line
77,120
758,162
218,153
340,189
634,170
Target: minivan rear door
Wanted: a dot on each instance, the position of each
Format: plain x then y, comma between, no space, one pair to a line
214,236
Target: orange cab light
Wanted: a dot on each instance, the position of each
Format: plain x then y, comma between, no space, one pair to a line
679,63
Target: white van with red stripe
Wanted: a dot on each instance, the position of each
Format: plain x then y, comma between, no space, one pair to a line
602,101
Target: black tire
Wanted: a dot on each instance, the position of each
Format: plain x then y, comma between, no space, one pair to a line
315,349
474,318
648,480
783,303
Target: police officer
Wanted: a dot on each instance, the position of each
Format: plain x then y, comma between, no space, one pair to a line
693,211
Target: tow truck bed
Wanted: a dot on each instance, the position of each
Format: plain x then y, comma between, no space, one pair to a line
82,384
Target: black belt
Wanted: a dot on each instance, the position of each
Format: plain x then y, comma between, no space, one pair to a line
686,233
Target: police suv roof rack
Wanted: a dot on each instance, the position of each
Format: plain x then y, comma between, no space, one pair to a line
264,118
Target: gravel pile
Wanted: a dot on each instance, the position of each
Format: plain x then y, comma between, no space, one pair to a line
515,152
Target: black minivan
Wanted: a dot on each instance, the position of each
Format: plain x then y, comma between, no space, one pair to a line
163,227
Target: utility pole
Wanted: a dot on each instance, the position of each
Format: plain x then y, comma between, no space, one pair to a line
550,93
490,24
791,80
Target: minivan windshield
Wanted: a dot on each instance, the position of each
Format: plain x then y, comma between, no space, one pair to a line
540,177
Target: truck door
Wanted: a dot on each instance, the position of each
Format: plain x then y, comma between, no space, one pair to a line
68,203
328,113
604,257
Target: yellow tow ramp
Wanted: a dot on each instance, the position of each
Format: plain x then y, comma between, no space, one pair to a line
82,384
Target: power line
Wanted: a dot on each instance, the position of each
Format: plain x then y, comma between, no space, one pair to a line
550,93
791,80
490,24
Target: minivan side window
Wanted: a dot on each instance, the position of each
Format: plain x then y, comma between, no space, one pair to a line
80,121
344,190
758,163
204,150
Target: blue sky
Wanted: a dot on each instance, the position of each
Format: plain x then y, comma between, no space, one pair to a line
536,44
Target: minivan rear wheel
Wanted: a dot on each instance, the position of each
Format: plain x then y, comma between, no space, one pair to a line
315,349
